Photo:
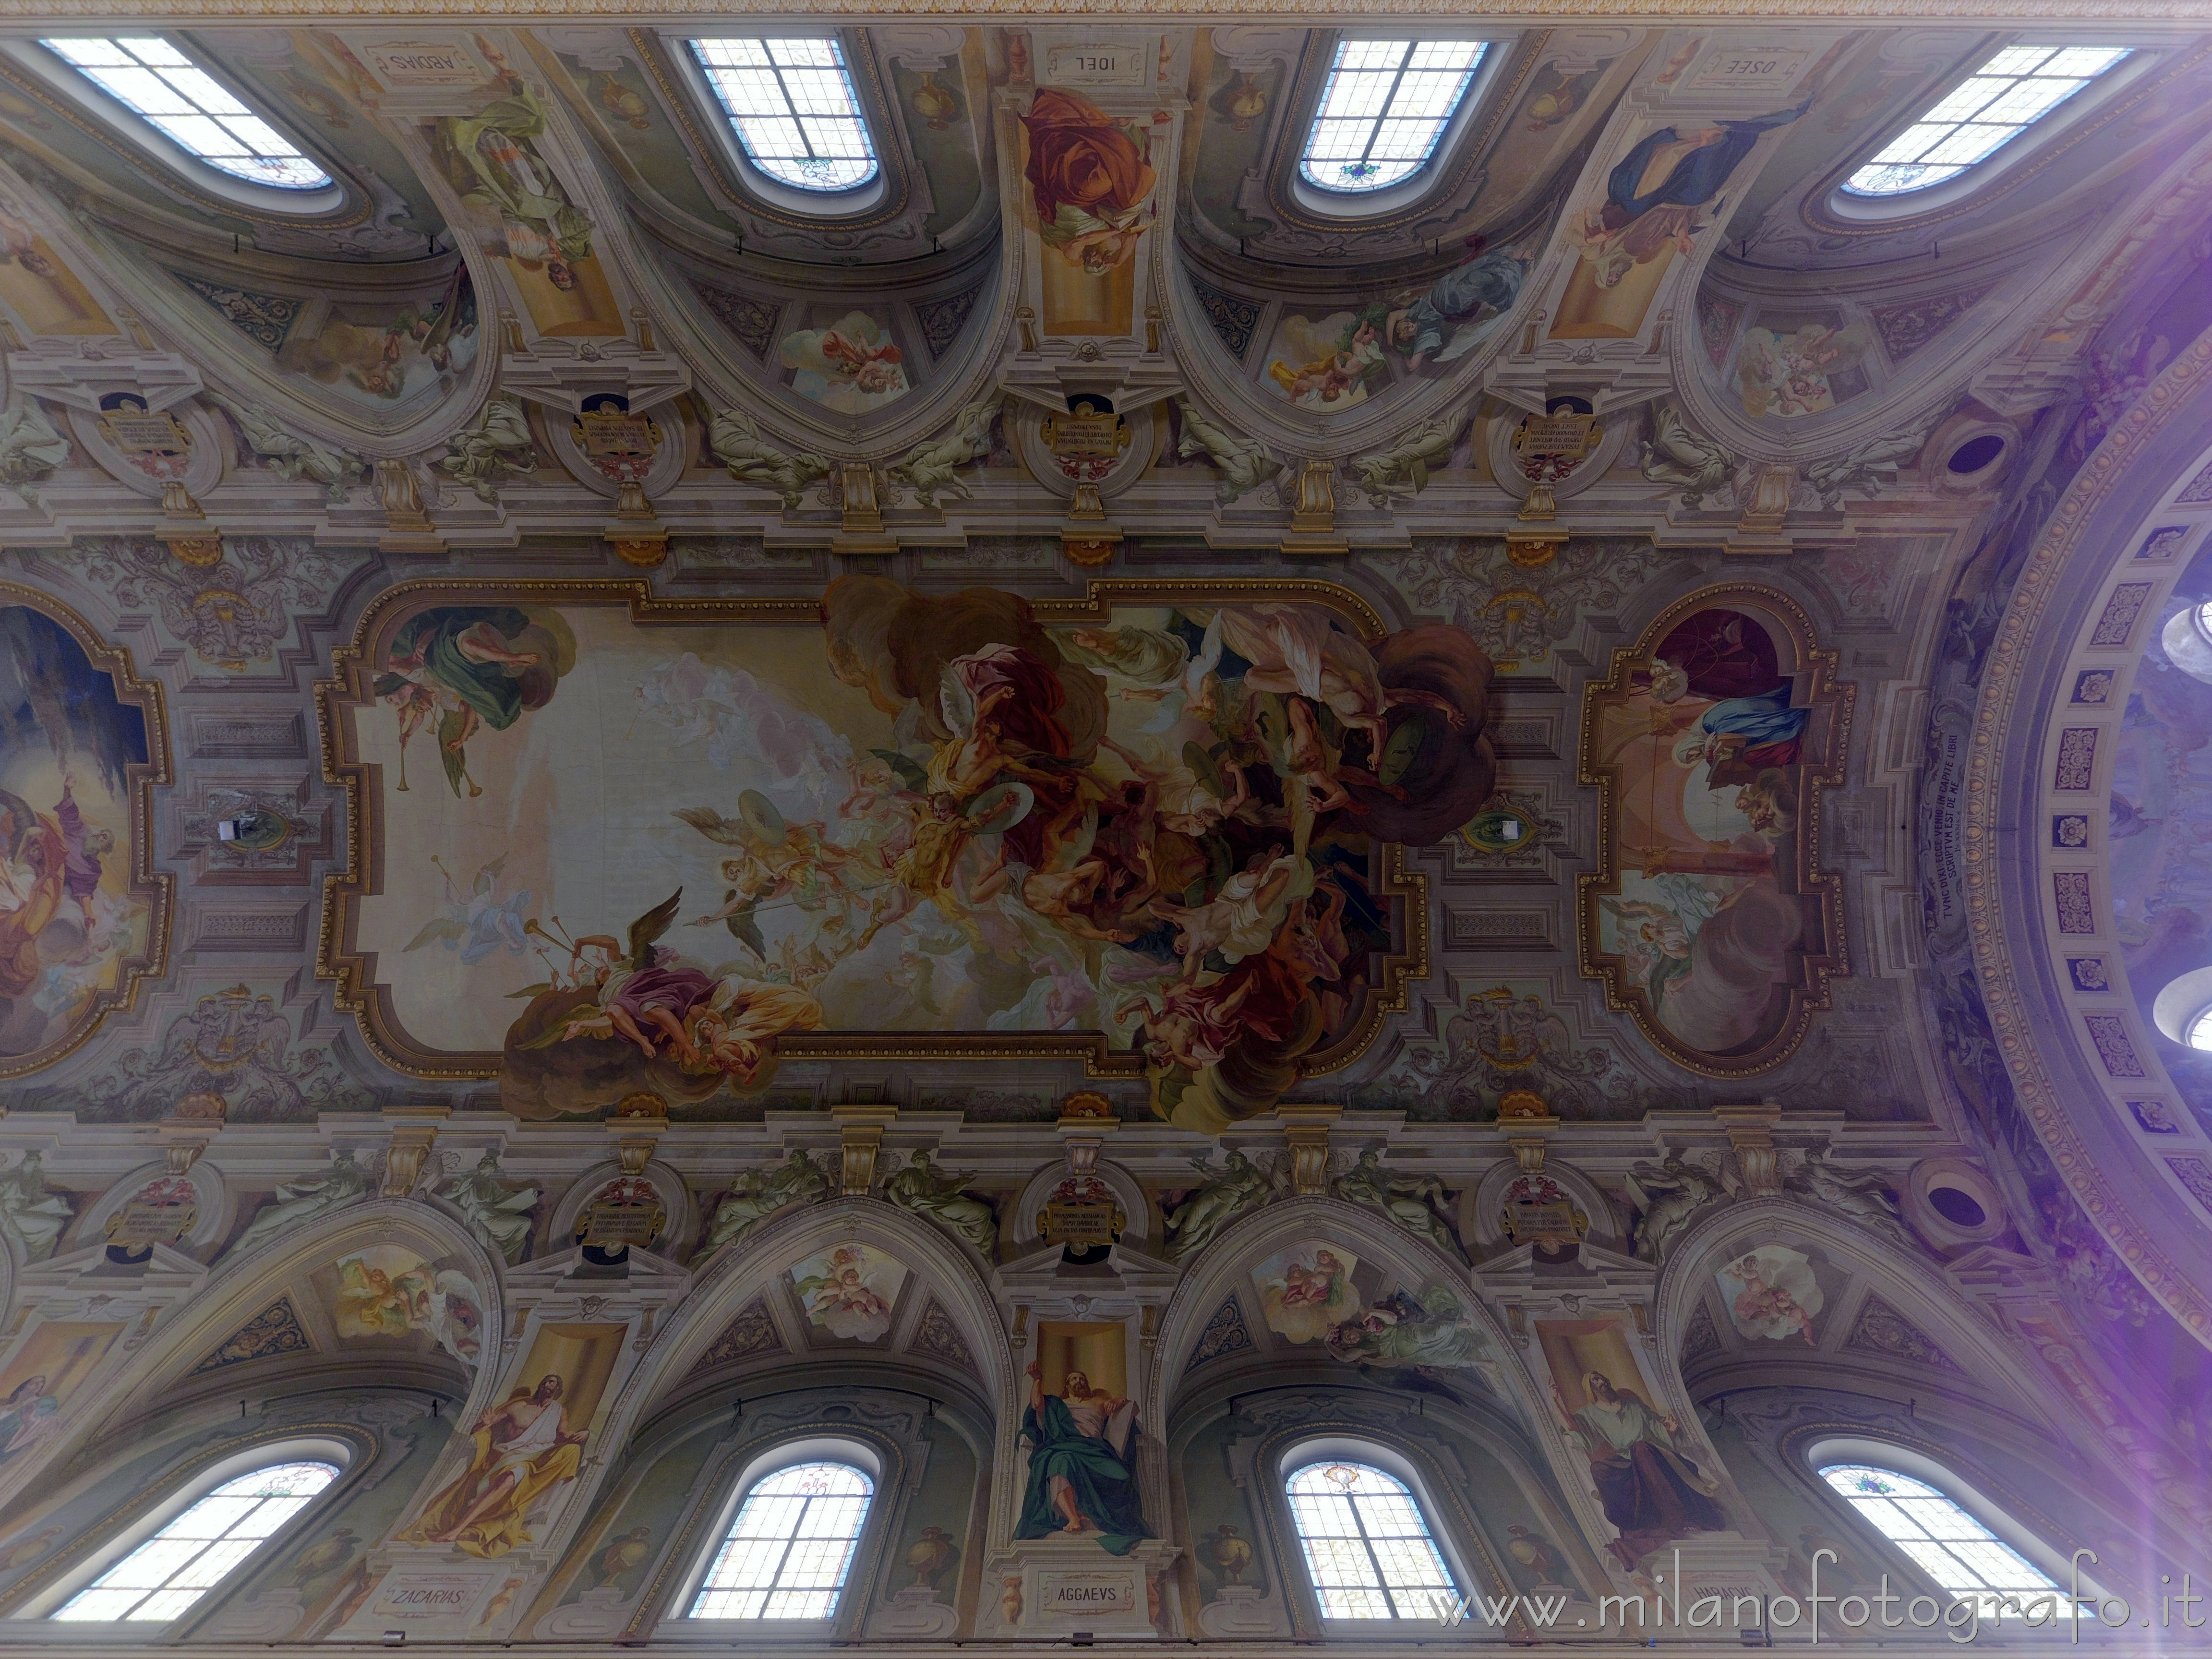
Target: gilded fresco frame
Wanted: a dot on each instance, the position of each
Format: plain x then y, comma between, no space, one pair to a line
1823,956
157,888
358,990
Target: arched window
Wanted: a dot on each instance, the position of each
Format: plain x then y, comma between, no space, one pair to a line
1990,108
790,100
787,1554
198,1549
1387,105
1963,1557
159,84
1368,1547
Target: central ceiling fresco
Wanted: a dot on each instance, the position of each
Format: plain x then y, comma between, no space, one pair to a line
1188,766
1163,827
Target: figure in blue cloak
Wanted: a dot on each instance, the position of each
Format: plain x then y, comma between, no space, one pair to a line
1753,733
1653,196
1491,280
1083,1465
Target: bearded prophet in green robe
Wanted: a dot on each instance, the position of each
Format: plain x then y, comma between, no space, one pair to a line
1083,1466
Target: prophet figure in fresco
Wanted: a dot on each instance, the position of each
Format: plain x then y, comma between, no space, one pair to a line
1654,196
1090,178
524,1448
1651,1491
1083,1465
491,158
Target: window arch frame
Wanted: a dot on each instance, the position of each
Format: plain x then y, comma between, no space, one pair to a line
2026,149
1307,1451
1351,207
711,122
181,1495
138,137
1830,1450
676,1619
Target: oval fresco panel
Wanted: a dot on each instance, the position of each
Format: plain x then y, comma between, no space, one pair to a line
81,745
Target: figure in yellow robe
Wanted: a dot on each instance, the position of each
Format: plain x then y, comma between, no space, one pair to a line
524,1450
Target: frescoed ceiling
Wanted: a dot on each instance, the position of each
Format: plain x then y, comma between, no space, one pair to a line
575,688
1808,421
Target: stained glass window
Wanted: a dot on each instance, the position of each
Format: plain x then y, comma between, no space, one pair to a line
197,1550
791,102
1990,108
787,1553
1367,1545
1959,1552
1386,105
157,82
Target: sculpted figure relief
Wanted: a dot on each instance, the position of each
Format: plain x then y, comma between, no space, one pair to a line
295,1201
756,1195
495,1214
1667,1194
932,466
752,459
1416,1203
923,1189
1241,1188
30,1215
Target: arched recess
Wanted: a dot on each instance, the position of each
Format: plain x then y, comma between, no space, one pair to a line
96,1513
926,1450
741,1271
1987,1368
1504,1527
687,1407
158,1374
2041,1498
1494,1414
1223,1268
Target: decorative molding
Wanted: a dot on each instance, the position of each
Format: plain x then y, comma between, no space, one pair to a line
1224,1334
941,319
275,1330
1986,856
938,1335
1234,318
1880,1328
751,1331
